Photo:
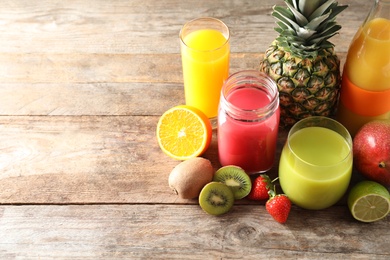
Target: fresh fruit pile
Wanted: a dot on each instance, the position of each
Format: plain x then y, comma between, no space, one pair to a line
218,191
277,205
306,68
369,200
183,128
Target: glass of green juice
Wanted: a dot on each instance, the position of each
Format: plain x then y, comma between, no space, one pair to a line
316,162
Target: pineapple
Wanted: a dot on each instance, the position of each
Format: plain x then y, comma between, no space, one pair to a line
302,61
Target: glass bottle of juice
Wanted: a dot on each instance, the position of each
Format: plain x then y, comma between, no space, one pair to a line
365,90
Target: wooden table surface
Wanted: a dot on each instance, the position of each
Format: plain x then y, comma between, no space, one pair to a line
82,86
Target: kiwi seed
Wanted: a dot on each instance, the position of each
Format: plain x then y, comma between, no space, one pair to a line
216,198
235,178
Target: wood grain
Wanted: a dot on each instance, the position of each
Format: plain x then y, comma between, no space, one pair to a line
185,232
140,26
82,86
86,84
80,159
109,68
88,159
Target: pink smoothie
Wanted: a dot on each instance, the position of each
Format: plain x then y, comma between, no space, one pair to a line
250,145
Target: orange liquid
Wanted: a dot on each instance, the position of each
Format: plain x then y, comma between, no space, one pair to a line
205,60
368,60
368,68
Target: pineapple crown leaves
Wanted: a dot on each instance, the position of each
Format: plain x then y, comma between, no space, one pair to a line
305,26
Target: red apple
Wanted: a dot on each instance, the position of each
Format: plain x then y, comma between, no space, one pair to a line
371,151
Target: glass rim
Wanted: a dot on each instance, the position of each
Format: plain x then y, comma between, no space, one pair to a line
265,83
347,139
205,18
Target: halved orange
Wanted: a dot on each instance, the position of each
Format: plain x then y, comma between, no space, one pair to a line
184,132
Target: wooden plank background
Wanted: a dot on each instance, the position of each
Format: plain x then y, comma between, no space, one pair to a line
82,85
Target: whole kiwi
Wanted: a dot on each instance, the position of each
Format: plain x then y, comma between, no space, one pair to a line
189,177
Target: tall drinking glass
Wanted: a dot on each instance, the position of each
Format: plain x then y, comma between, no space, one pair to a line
205,53
316,163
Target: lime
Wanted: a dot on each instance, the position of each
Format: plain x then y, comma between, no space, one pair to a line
369,201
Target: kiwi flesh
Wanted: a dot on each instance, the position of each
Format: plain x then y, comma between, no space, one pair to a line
235,178
216,198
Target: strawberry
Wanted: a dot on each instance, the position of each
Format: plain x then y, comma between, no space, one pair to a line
278,206
260,188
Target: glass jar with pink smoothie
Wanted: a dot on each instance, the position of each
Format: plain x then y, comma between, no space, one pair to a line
248,121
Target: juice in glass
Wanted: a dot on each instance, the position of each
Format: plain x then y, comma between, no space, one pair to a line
248,122
365,91
316,163
205,61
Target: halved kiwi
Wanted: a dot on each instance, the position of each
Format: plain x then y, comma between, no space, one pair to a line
236,178
216,198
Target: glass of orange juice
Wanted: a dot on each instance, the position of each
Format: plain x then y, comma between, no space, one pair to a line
205,54
316,162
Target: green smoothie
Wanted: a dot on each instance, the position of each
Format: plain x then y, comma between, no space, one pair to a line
315,167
